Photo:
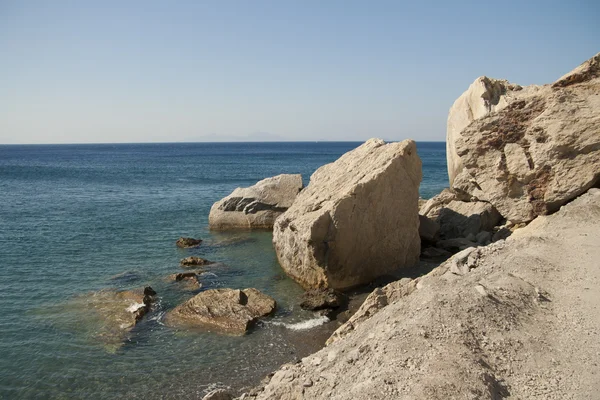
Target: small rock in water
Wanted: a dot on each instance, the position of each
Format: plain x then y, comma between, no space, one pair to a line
186,242
194,261
319,299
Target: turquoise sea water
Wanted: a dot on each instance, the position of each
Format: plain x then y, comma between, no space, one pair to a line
74,216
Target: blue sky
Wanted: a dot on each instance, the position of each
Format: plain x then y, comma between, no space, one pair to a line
147,71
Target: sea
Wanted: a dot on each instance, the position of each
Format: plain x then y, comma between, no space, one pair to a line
79,219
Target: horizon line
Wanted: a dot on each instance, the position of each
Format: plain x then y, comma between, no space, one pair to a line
212,142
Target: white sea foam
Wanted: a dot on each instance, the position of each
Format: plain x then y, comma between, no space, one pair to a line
304,325
134,307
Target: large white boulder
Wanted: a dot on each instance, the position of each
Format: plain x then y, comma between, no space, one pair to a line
256,206
538,150
356,220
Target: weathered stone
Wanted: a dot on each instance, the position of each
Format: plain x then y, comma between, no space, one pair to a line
435,253
461,219
432,207
320,299
428,229
256,206
455,245
229,311
484,96
484,237
185,242
377,299
356,220
194,262
534,150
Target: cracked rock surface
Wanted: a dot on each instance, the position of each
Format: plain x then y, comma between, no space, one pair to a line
526,150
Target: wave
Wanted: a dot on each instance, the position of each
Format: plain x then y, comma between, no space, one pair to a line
304,325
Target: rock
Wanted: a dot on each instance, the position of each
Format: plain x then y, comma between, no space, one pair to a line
194,262
256,206
461,219
320,299
455,245
190,279
185,242
428,229
377,300
484,237
459,264
219,394
356,220
229,311
110,315
432,208
531,150
484,96
436,253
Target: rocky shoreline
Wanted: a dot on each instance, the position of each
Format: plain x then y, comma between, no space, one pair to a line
512,311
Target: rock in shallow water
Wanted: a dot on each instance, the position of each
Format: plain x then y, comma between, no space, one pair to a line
256,206
111,314
194,262
356,220
186,242
229,311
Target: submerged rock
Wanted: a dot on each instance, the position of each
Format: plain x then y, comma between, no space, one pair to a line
229,311
111,314
357,219
256,206
194,262
185,242
529,150
190,279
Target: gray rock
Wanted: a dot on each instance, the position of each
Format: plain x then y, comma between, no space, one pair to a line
256,206
428,229
461,219
455,245
356,220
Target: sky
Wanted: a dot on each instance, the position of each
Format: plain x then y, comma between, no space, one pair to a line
181,71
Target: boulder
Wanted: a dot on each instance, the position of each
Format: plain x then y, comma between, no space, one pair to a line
432,207
458,218
194,262
535,149
428,229
356,220
461,219
321,299
186,242
256,206
484,96
228,311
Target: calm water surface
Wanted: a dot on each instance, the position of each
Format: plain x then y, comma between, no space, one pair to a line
73,216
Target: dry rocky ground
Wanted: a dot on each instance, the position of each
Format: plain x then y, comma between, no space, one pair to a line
516,319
